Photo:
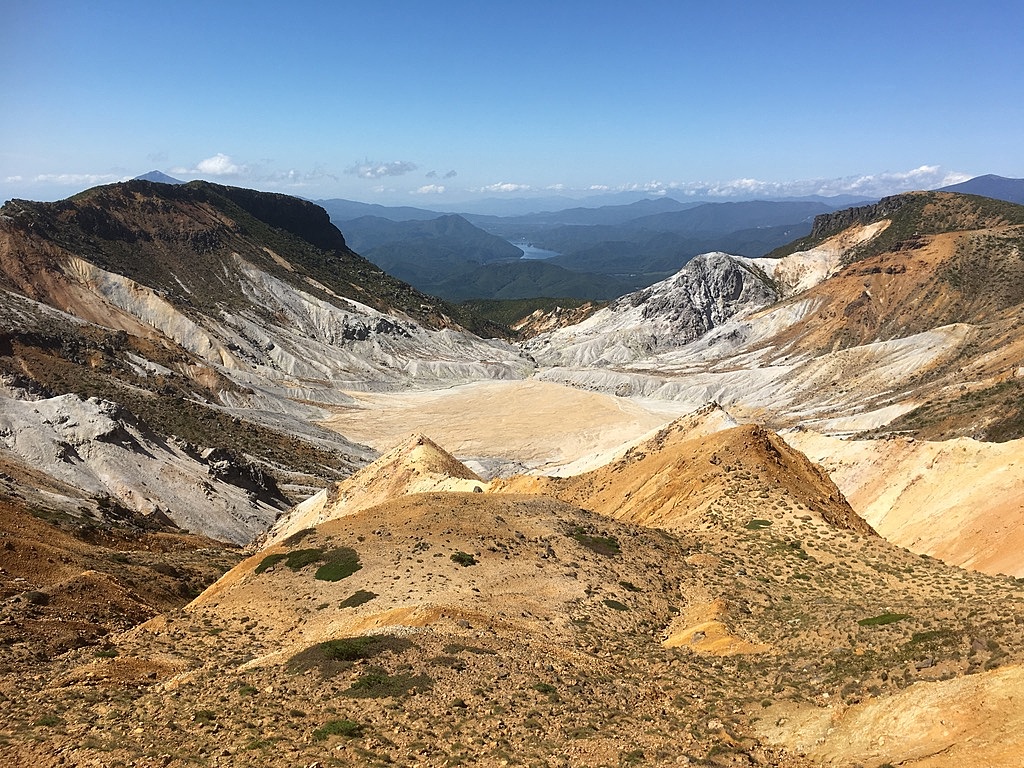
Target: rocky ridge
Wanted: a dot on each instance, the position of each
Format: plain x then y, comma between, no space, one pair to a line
709,290
897,319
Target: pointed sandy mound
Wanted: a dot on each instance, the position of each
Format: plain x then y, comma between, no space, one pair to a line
417,465
689,474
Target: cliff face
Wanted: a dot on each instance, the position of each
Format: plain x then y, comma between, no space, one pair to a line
828,224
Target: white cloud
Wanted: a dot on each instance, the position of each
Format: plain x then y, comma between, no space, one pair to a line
376,170
430,189
295,179
506,186
865,185
89,179
220,165
14,179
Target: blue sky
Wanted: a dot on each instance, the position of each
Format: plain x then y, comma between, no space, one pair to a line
431,103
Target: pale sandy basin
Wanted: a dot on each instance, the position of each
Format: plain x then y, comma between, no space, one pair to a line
541,425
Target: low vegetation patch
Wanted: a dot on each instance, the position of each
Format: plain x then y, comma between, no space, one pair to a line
602,545
757,524
357,598
378,683
334,656
464,559
615,605
300,558
347,728
336,564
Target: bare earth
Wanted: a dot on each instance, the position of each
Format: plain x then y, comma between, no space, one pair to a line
539,425
958,500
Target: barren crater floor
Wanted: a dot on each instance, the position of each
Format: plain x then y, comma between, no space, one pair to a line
537,425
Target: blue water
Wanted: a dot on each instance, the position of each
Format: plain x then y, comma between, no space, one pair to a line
533,252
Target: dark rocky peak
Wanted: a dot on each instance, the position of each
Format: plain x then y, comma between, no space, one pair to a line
828,224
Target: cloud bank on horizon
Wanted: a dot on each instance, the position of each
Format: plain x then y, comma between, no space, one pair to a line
223,168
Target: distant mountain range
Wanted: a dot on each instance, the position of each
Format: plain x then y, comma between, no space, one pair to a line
998,187
602,252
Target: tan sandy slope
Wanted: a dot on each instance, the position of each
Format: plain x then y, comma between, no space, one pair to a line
968,721
530,576
691,470
959,500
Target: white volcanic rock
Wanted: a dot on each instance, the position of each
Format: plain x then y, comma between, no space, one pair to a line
709,290
290,344
845,391
799,271
90,453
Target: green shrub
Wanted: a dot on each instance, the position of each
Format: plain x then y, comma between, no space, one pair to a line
334,656
347,728
602,545
300,558
757,524
338,564
357,598
377,683
464,559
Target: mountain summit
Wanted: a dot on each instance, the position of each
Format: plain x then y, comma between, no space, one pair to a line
159,177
